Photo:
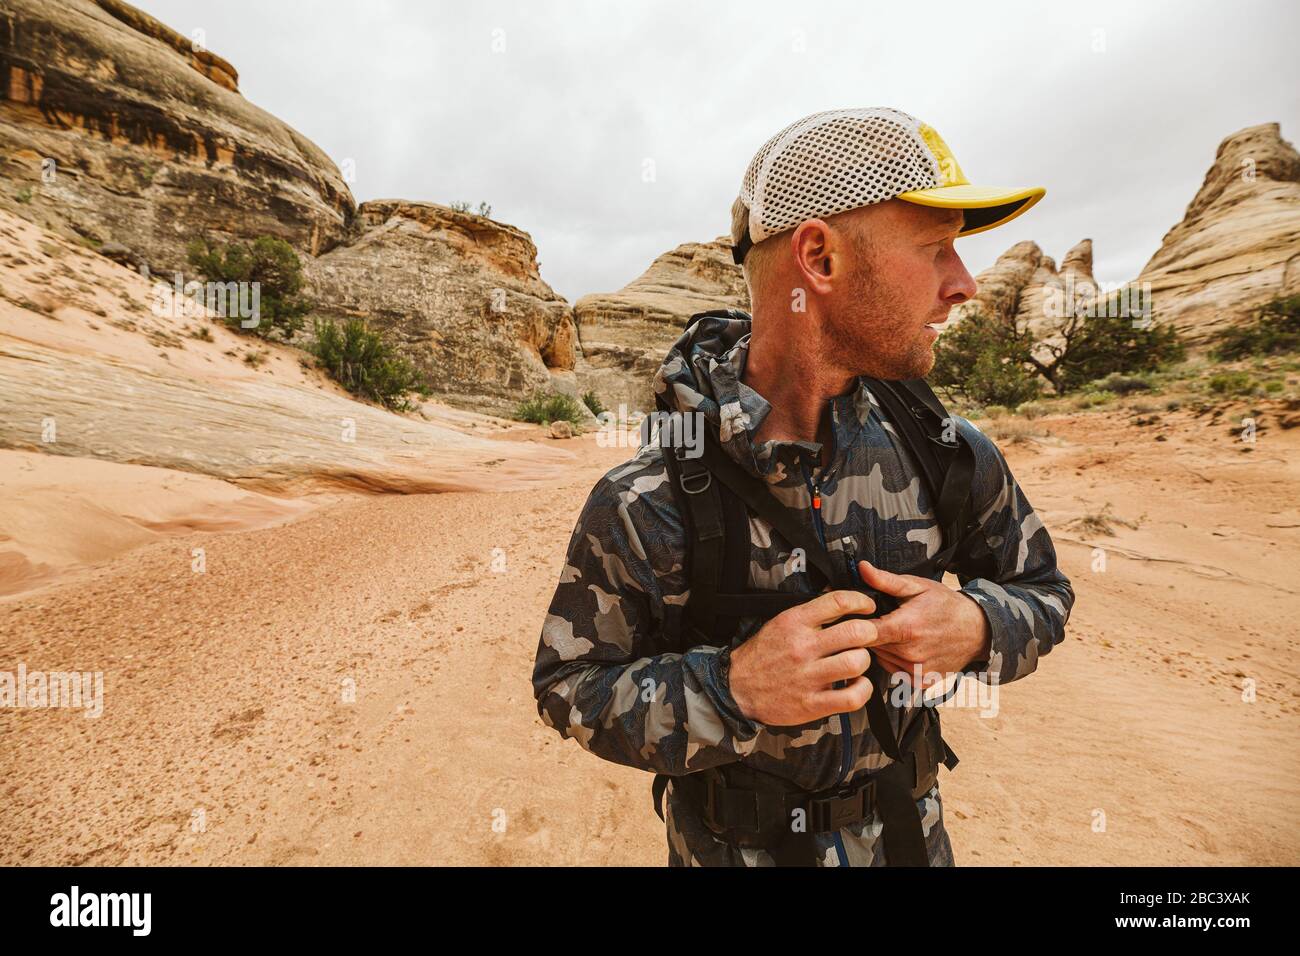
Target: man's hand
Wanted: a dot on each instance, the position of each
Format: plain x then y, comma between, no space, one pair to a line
783,675
934,626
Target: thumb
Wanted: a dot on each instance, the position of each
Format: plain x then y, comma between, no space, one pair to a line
897,585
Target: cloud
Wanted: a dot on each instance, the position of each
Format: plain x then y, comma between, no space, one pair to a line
555,112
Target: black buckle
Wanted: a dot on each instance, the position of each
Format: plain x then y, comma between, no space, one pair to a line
839,809
710,804
683,477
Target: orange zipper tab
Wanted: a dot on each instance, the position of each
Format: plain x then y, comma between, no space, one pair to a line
817,499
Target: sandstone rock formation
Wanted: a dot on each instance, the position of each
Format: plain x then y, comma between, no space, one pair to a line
113,128
116,131
1237,247
1024,287
624,335
461,296
94,363
691,278
1239,243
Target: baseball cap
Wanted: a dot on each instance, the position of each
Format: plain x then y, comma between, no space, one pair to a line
837,160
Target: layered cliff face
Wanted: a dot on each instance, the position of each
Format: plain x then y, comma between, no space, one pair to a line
624,335
461,295
113,128
1239,243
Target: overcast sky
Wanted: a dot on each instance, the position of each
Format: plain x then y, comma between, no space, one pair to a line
549,111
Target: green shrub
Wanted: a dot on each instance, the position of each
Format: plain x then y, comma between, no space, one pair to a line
1122,384
592,402
1274,328
24,195
1092,399
1032,410
365,364
546,407
1232,383
985,363
1100,347
996,411
269,262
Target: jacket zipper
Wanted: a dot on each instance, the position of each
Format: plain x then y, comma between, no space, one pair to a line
814,489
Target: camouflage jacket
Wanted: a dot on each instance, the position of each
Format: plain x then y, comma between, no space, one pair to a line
614,670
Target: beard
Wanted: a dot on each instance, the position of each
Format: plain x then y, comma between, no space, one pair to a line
878,334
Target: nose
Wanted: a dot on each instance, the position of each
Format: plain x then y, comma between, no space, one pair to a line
958,286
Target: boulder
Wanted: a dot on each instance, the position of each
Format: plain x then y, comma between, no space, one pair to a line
1238,244
625,335
457,293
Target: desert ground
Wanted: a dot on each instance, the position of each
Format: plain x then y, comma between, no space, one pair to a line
226,738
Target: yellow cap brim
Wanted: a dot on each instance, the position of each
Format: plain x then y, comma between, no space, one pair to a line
987,206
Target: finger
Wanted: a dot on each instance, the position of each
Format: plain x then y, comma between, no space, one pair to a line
832,606
897,585
846,665
854,632
844,700
895,627
894,664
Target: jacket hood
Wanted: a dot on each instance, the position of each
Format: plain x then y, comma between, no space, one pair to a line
702,373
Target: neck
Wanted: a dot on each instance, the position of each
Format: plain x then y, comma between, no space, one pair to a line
797,382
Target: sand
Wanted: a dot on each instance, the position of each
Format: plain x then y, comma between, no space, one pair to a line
226,739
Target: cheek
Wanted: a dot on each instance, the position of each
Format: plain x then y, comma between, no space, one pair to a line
909,275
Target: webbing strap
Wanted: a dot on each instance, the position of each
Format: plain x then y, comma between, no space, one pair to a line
751,491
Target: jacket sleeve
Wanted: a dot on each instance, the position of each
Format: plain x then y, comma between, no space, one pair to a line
1008,566
605,672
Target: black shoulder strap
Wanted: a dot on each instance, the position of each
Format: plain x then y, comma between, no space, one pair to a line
700,505
946,461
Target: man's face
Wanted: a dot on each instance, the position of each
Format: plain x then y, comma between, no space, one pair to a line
905,278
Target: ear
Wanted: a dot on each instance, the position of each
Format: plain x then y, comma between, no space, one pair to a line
813,246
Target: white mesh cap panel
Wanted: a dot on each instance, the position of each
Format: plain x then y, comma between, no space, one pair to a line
832,162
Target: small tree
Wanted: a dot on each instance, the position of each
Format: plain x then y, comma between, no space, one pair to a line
990,360
985,362
269,262
365,364
1092,347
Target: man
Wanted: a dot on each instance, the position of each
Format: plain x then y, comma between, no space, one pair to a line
845,227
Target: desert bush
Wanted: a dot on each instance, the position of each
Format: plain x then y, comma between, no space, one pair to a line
1273,329
546,407
269,262
1032,410
364,363
985,363
592,402
1231,383
1091,399
1122,384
